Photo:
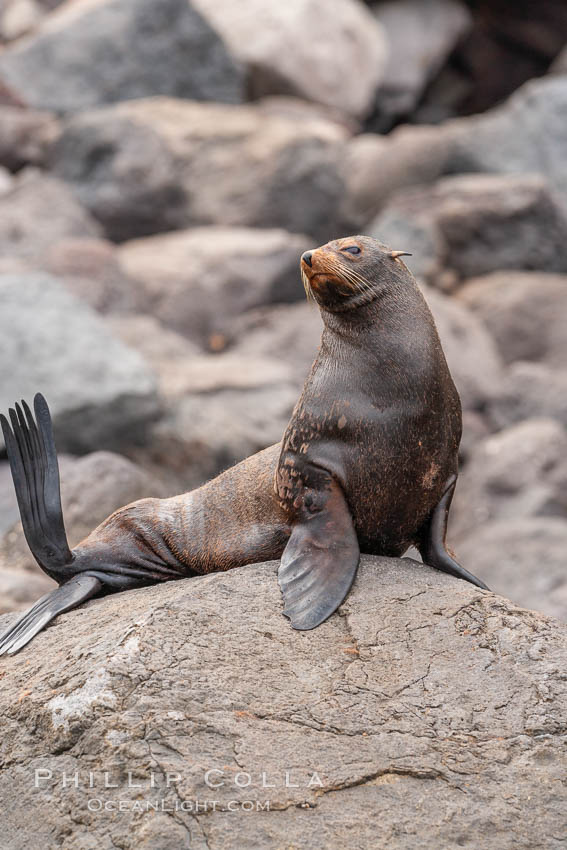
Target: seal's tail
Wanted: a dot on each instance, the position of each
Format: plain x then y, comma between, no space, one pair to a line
33,461
35,471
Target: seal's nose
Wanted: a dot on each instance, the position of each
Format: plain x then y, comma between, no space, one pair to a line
307,258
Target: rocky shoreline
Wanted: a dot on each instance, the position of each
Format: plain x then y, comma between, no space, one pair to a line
162,167
152,216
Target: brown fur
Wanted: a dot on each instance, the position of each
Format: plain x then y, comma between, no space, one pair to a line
378,411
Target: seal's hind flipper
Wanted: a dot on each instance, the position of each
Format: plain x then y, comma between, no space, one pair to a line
319,563
69,595
33,461
432,547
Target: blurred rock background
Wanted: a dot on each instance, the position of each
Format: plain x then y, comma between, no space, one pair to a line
164,164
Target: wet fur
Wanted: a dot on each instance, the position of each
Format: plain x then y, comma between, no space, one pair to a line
379,410
372,444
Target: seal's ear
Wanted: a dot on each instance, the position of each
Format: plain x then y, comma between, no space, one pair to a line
395,254
319,563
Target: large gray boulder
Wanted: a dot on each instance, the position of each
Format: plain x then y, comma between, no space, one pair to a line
333,57
528,133
91,270
426,711
516,473
8,505
475,224
26,136
91,52
6,181
523,559
102,394
36,212
227,408
505,140
171,356
420,35
289,333
17,17
222,407
525,312
559,66
196,281
19,589
471,353
158,164
530,390
374,168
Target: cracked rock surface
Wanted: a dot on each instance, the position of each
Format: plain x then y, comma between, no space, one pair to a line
426,713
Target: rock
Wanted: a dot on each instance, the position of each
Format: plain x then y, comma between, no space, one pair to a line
91,270
6,181
509,138
504,140
26,136
300,49
230,408
92,488
213,373
303,111
524,558
471,353
182,367
101,393
471,225
232,404
289,333
219,372
195,281
420,37
559,66
152,339
8,505
528,390
516,224
89,53
499,54
36,212
147,166
169,354
526,313
518,473
19,590
423,686
19,17
475,429
222,407
375,167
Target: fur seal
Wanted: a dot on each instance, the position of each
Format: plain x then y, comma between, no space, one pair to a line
368,462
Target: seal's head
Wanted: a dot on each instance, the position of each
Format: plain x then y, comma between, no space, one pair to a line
349,272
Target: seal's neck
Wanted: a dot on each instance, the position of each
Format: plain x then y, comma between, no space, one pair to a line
354,302
396,307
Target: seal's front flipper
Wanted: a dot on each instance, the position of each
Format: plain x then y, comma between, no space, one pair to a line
432,547
69,595
33,462
319,563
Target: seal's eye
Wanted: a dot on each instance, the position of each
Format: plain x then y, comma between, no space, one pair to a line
352,249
